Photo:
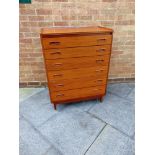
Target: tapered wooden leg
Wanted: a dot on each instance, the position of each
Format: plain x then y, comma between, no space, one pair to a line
101,99
55,108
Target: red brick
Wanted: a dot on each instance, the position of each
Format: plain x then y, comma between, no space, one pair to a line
23,18
69,18
24,55
127,22
22,6
44,11
92,12
22,84
36,18
109,1
33,34
24,29
108,13
59,0
43,0
35,54
68,5
60,24
107,23
21,35
27,11
45,24
25,40
85,17
25,24
33,83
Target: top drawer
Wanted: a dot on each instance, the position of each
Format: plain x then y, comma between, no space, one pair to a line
76,41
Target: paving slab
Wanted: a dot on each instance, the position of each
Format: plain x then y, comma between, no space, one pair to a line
31,142
23,147
37,109
112,142
117,112
53,151
40,97
79,106
72,132
37,115
24,93
120,89
131,96
131,85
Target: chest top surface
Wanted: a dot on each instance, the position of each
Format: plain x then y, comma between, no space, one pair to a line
74,30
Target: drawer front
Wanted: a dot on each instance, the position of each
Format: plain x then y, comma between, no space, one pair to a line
77,52
76,41
58,85
72,63
78,93
77,73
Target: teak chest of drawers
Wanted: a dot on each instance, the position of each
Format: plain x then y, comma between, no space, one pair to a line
77,62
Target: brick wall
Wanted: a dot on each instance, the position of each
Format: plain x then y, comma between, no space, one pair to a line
116,14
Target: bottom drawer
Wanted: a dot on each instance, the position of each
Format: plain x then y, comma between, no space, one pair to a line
77,93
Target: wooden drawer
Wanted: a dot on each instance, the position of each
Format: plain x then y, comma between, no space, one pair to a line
77,93
77,73
77,52
66,84
76,41
72,63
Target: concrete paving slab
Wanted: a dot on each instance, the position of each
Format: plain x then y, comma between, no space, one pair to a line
131,85
23,147
120,89
31,143
37,108
72,132
80,106
41,97
112,142
131,96
24,93
37,114
53,151
116,112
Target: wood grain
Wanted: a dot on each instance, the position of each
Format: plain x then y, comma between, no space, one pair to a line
73,63
76,41
58,85
77,52
75,30
75,93
77,73
77,62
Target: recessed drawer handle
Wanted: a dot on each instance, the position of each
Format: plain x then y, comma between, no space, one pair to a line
57,64
96,89
99,80
101,50
100,61
102,39
59,95
55,53
61,85
57,75
100,70
54,43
